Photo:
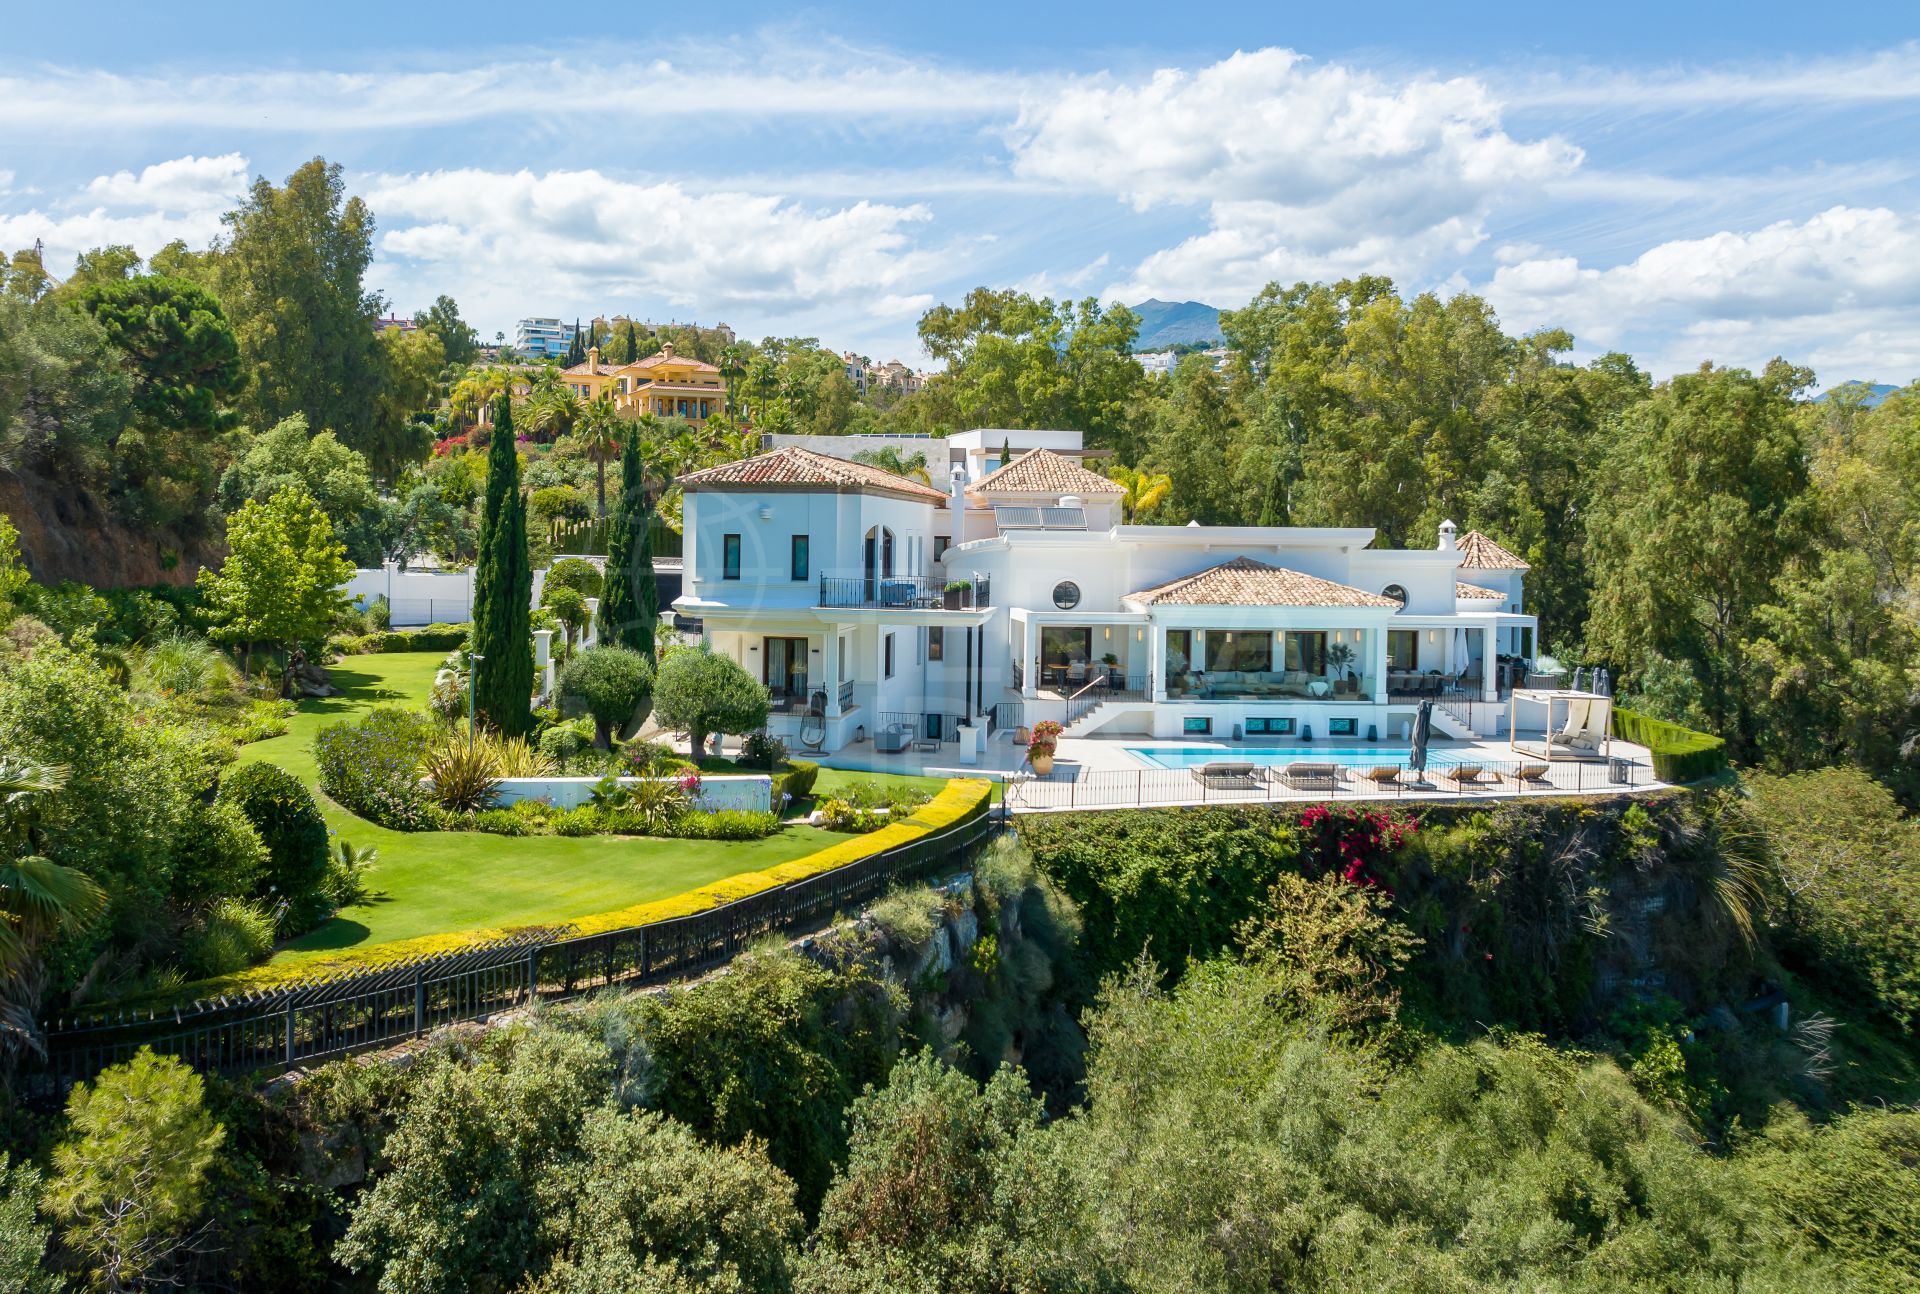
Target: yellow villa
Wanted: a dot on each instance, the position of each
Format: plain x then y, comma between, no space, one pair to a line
664,384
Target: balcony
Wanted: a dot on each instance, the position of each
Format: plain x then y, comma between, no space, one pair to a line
900,593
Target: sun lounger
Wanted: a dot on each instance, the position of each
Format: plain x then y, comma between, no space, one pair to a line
1529,775
1226,774
1384,775
1465,775
1311,777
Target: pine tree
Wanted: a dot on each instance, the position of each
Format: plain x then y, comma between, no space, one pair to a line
1006,451
503,589
630,607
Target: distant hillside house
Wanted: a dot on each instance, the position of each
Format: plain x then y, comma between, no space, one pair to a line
664,384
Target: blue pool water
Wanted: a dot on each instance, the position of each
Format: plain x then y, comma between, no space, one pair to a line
1346,756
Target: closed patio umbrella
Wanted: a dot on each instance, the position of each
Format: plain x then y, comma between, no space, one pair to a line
1422,730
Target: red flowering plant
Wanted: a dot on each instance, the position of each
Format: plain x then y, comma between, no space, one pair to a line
1354,841
449,445
1045,739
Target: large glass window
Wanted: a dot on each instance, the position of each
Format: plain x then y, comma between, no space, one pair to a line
888,653
730,557
1179,656
1403,649
800,546
1249,650
936,643
1308,652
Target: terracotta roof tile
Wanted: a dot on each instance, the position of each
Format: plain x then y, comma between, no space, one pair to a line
1244,582
661,357
794,466
1475,591
1478,553
1041,471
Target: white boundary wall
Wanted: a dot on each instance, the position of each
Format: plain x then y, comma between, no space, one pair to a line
720,791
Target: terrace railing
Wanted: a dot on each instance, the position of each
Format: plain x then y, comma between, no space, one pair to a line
1103,687
323,1019
900,592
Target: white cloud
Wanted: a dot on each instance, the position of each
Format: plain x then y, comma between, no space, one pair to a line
506,243
1887,76
183,184
1304,170
1835,291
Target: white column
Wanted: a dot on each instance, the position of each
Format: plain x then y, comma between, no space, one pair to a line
1030,660
591,635
830,666
1489,685
543,659
1157,661
1377,640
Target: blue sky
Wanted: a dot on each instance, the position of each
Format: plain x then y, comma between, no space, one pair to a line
1688,182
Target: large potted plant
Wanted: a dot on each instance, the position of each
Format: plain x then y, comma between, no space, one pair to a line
1112,662
958,593
1340,656
1041,745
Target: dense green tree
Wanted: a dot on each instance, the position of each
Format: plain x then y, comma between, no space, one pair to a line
613,683
338,478
39,899
280,585
23,1234
458,341
65,395
129,1181
700,692
396,433
948,1188
1705,504
503,589
291,271
98,267
1190,442
630,603
1013,361
628,348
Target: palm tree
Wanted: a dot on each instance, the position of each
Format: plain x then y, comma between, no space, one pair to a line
473,394
600,437
554,410
889,458
38,898
1144,491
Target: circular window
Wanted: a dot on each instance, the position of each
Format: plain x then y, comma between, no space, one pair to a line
1395,592
1066,595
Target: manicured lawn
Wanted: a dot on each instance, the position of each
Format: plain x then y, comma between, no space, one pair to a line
444,881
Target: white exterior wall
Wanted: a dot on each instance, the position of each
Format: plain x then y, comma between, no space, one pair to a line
415,597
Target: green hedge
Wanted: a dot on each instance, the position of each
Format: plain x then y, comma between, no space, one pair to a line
796,779
425,638
1679,754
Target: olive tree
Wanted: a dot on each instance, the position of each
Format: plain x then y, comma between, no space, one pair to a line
614,684
700,693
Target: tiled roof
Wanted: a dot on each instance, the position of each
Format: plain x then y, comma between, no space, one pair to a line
586,368
1041,471
794,466
1475,591
1478,553
661,357
1244,582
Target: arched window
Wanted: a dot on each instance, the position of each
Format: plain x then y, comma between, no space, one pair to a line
1395,592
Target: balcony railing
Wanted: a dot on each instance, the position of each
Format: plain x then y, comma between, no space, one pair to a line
1267,685
900,592
1106,685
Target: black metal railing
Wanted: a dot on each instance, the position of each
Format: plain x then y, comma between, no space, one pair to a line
323,1019
1007,714
1019,675
901,592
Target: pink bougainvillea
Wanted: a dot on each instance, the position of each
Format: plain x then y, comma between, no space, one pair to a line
1354,841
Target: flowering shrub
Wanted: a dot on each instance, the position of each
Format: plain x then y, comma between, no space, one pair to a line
1045,739
372,768
1352,840
451,445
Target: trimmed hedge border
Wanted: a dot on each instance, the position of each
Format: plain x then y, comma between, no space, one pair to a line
1679,754
960,801
440,637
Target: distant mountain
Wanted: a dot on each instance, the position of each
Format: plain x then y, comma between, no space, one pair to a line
1171,323
1876,392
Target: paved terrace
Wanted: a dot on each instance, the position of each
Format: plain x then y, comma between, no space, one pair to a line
1100,772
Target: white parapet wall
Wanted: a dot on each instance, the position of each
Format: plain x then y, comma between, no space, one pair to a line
744,791
415,598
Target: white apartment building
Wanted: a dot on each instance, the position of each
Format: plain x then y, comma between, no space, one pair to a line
882,609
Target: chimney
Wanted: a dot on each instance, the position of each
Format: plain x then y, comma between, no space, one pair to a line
593,359
957,490
1446,536
666,350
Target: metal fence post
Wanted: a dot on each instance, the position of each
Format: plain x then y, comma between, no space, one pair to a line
289,1035
419,1003
533,974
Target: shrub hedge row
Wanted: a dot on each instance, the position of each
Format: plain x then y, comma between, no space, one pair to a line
962,800
425,638
1679,754
796,779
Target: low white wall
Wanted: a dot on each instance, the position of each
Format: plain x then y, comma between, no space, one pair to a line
747,791
415,597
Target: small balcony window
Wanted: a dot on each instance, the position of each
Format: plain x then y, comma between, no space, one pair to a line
730,557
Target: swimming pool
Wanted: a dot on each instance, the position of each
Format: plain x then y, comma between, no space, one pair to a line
1270,756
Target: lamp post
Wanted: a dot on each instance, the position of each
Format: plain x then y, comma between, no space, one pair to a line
473,667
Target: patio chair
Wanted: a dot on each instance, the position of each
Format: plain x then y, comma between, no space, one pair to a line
1232,776
1465,775
1534,775
1311,777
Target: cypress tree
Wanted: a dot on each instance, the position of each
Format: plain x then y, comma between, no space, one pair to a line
503,589
630,604
629,345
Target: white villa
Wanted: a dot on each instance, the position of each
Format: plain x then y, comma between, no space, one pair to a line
883,610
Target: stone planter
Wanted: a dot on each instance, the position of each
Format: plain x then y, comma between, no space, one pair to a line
955,599
1042,763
